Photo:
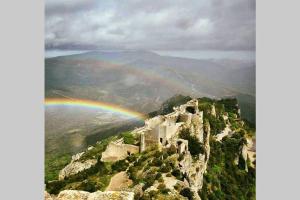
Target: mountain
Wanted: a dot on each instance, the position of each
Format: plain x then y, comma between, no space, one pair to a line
137,80
142,80
201,149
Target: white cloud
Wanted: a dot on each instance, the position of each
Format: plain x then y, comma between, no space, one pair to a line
176,24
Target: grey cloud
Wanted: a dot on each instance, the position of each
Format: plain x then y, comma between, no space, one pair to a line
163,25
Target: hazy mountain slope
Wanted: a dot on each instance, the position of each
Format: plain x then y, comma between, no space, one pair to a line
142,80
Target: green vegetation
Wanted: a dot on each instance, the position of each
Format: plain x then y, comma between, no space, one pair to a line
128,137
167,106
195,147
96,152
186,192
98,176
120,165
53,164
224,179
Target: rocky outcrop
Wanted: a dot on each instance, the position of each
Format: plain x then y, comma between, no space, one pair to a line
225,132
75,167
47,196
82,195
213,110
73,195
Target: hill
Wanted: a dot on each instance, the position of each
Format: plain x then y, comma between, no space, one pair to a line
203,150
143,80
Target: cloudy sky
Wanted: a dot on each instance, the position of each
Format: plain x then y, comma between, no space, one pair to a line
150,25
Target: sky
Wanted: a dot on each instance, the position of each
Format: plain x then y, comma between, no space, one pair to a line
164,25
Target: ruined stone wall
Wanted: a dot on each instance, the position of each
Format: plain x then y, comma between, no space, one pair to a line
115,152
161,129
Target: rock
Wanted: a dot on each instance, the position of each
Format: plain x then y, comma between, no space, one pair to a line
73,195
82,195
76,157
111,195
213,111
75,167
90,148
225,132
47,196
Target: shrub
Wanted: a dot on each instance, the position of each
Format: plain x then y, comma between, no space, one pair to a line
88,186
158,175
165,168
54,187
149,180
195,147
186,192
163,189
177,187
172,150
156,162
132,158
120,165
177,174
128,137
160,179
132,173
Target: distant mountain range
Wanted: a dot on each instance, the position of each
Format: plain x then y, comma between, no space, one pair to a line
143,80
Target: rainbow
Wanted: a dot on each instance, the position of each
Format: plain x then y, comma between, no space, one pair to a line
94,105
171,83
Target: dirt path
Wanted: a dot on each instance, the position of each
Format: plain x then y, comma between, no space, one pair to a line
118,182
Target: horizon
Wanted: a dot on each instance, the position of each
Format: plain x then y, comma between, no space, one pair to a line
245,55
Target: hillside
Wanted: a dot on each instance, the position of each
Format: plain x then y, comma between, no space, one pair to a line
205,151
144,80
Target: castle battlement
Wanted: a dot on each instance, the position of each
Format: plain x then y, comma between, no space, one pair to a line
163,130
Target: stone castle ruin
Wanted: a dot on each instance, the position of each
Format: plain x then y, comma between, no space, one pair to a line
173,131
117,150
163,130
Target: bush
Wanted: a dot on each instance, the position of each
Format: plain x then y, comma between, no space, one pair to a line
165,168
177,187
132,158
149,181
160,179
163,189
158,175
54,187
88,186
186,192
156,162
172,150
132,174
195,147
128,137
120,165
177,174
